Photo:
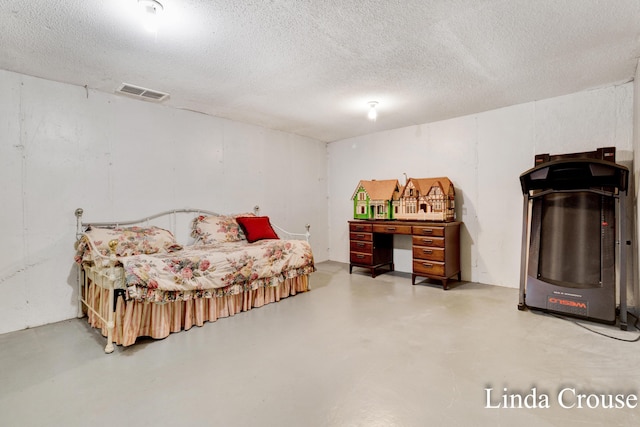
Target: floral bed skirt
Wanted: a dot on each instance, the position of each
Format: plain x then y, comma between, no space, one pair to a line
135,319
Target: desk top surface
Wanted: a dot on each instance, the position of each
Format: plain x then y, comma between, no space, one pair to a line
406,222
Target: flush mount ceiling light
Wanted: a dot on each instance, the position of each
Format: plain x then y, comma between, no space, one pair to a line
373,114
150,11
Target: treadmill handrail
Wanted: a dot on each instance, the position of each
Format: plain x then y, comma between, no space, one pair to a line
542,193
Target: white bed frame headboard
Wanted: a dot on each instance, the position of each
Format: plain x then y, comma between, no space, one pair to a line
181,231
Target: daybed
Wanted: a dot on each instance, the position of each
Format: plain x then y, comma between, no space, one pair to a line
137,280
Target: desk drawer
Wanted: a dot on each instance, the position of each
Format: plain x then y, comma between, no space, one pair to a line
366,237
392,229
433,254
358,246
428,231
360,227
428,268
437,242
360,258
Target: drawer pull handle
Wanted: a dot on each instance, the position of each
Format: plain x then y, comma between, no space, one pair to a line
428,241
391,228
427,251
360,245
361,236
360,256
427,231
427,265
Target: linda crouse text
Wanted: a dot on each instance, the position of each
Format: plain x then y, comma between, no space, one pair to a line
568,398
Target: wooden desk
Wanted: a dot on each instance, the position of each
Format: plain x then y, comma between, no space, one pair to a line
435,245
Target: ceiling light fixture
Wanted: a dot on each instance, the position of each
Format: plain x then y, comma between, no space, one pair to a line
150,11
373,114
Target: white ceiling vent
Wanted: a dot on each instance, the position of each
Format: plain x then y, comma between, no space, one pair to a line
142,93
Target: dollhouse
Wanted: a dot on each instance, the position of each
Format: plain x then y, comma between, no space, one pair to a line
429,199
376,199
426,199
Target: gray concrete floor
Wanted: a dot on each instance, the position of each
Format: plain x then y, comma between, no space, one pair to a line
354,351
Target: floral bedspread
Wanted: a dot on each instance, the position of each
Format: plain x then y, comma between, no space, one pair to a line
215,270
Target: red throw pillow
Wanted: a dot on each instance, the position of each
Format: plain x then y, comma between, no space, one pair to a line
256,228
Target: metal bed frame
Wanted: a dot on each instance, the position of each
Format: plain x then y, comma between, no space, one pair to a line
111,279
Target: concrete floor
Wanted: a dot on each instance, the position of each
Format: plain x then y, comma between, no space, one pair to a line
354,351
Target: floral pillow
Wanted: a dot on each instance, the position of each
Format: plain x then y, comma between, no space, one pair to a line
208,230
131,241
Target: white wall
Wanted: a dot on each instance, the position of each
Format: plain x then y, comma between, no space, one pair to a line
484,155
634,289
62,147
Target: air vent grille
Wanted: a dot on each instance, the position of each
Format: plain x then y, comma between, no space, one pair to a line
142,93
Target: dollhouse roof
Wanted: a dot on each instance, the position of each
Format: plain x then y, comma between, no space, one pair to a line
423,185
386,189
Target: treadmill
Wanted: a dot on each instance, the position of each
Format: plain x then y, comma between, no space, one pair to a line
573,210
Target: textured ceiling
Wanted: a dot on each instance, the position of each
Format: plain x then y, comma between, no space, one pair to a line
309,67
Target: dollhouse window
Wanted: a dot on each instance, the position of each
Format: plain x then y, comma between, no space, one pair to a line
361,196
